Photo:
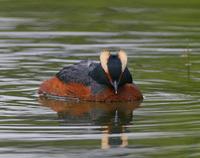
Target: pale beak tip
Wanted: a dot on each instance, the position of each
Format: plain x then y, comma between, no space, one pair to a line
115,85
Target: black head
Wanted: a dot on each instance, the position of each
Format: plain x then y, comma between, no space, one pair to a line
115,68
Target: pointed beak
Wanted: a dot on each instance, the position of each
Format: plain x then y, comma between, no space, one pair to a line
115,85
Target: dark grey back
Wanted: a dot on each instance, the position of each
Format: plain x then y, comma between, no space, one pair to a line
77,73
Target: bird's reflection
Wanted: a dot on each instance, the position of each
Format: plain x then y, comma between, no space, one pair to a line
112,117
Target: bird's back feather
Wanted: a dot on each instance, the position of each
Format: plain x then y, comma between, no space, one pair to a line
77,73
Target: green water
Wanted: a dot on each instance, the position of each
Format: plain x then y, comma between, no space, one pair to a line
162,40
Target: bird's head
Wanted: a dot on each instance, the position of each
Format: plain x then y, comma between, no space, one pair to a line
114,67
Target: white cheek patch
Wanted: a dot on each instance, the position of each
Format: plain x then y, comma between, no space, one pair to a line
123,58
105,54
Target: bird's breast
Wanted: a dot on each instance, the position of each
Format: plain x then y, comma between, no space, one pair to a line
55,87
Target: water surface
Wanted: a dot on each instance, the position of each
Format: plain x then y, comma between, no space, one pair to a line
162,42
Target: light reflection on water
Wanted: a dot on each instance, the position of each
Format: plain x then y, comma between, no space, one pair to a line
166,123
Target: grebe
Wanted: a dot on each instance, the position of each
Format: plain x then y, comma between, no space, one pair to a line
106,81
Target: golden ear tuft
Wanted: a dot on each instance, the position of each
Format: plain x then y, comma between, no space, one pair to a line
123,58
105,54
